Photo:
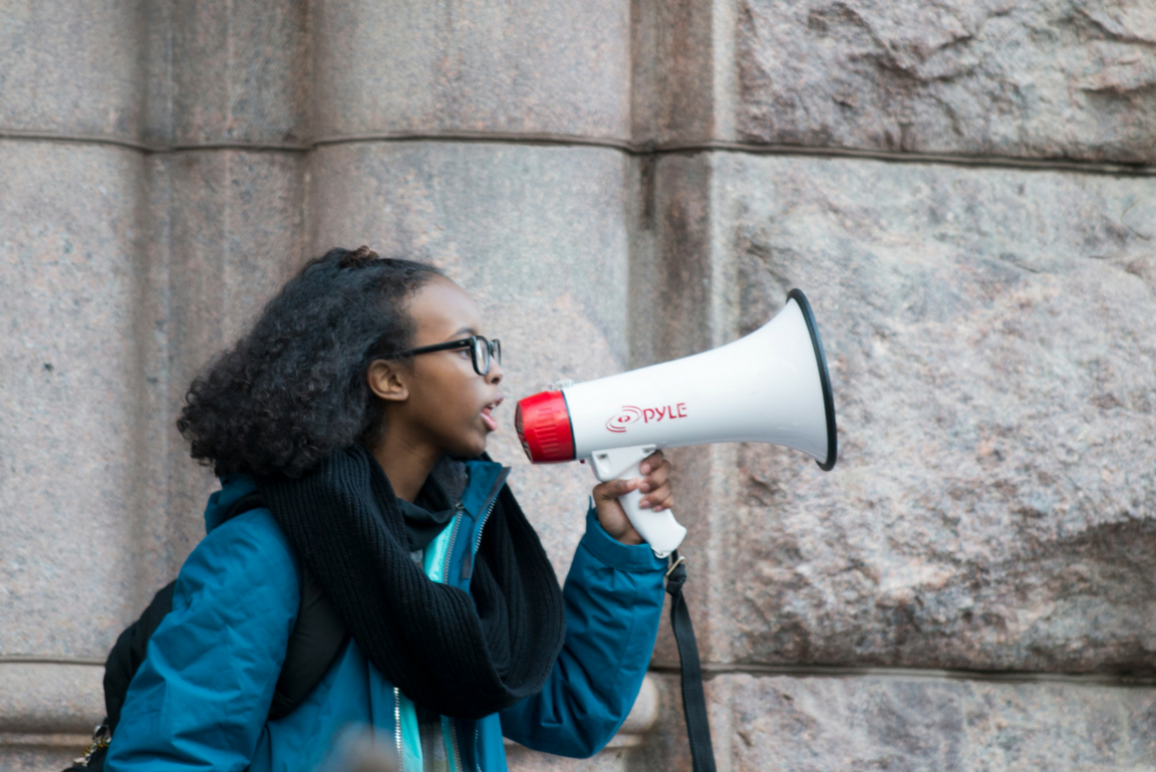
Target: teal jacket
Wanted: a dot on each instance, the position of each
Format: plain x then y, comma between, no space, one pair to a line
200,699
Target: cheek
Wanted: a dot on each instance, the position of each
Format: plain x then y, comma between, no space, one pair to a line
450,398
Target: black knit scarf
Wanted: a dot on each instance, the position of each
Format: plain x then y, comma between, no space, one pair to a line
459,654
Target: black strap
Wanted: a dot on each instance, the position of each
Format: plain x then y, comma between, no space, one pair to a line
693,699
317,638
251,500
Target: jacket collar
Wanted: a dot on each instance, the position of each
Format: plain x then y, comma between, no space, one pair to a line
233,487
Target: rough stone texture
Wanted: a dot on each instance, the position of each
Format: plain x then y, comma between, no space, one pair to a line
228,231
228,72
911,722
991,342
532,66
1040,78
675,82
611,759
70,379
32,755
72,68
544,226
50,698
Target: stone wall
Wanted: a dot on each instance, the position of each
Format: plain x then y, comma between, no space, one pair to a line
966,191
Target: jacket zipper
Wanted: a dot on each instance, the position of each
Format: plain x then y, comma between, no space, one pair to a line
456,746
467,569
453,538
486,516
397,723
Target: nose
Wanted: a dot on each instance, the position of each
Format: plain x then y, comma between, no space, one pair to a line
494,376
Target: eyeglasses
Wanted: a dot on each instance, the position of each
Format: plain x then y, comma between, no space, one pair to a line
482,351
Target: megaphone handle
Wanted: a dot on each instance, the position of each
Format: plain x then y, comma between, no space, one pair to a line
661,531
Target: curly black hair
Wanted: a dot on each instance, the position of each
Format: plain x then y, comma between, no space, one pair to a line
293,389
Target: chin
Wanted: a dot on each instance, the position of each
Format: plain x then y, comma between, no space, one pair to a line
474,446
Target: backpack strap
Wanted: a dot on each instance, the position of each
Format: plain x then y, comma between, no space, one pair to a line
251,500
317,639
318,635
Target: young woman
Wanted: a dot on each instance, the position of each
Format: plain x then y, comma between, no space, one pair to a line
358,408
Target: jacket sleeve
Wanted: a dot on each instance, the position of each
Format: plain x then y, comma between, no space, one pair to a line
201,697
613,596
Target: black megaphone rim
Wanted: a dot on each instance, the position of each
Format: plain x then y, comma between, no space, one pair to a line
825,379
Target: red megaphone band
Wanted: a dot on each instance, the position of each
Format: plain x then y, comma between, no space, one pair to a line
543,424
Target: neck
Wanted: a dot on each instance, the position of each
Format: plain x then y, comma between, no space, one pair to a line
406,463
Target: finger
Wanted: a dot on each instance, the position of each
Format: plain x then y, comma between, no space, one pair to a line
612,489
658,477
660,493
651,462
656,505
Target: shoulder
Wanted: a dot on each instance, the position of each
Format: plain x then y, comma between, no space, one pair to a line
255,530
246,554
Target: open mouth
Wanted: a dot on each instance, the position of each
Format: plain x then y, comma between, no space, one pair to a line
488,418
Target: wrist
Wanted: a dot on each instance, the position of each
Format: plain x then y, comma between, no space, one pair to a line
626,557
630,539
618,528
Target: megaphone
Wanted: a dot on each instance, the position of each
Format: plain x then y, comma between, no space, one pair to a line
770,386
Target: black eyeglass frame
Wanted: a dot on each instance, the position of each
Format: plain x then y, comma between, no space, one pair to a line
493,349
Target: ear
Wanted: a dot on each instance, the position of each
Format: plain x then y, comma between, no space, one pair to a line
388,380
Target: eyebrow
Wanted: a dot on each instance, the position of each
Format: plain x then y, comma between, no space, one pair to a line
469,330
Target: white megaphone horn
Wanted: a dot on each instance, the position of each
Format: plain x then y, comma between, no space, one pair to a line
770,386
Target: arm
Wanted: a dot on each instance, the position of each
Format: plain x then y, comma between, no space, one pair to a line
613,596
201,697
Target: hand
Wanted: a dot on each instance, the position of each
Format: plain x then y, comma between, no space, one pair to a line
655,484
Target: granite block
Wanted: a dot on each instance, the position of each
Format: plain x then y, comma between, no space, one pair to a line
538,235
1039,79
676,86
989,336
912,722
526,67
228,231
71,377
224,72
35,756
73,68
45,698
